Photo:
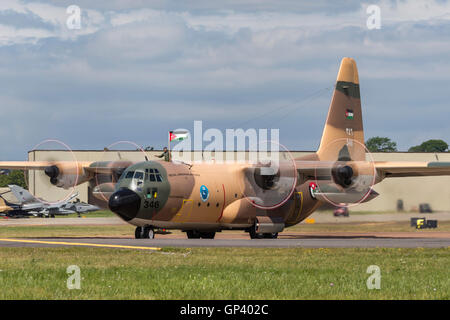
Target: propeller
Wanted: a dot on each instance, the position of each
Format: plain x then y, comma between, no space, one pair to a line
56,176
351,178
270,182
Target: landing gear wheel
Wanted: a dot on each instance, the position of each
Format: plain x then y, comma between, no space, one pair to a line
138,233
193,234
147,233
207,235
272,235
254,234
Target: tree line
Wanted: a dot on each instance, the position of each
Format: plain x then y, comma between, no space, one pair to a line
16,177
384,144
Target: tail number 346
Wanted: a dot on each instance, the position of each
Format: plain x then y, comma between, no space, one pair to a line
151,204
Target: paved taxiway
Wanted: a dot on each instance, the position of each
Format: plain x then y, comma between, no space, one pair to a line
240,239
319,217
303,242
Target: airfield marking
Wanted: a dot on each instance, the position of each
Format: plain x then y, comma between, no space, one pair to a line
82,244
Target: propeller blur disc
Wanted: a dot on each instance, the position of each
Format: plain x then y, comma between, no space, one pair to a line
270,182
47,178
350,180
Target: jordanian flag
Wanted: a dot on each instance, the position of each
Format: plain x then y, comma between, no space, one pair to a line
178,135
349,114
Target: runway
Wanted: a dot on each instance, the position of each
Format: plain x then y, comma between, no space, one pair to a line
319,217
304,242
287,239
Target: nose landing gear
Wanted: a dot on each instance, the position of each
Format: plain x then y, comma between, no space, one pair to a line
146,232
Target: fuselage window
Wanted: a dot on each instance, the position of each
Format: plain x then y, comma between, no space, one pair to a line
153,175
129,175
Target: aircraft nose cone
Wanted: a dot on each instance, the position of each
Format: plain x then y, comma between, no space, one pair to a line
125,203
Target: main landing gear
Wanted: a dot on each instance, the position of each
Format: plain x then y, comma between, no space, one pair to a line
256,235
146,232
194,234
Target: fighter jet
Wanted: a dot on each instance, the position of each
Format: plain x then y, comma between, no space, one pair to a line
261,197
28,205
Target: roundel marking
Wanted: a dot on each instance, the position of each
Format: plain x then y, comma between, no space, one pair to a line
204,193
312,189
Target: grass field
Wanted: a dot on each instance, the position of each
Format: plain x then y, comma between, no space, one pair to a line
67,231
94,214
224,273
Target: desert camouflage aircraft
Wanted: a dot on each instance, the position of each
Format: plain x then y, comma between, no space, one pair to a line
260,198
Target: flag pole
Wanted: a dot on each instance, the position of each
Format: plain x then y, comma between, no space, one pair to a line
168,147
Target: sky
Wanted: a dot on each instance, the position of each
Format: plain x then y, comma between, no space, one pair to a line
136,69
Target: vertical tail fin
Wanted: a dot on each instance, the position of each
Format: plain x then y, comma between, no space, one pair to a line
21,194
344,121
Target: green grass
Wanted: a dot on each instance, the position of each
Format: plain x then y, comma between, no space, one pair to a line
224,273
93,214
67,231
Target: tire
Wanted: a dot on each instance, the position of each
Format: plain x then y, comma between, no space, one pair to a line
193,234
150,233
272,235
145,232
254,234
207,235
138,233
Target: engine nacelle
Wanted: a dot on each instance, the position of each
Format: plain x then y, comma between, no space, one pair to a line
66,175
342,175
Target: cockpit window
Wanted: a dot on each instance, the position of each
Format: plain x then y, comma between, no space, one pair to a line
129,174
139,175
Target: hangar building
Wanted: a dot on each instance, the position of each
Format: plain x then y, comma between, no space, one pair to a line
412,191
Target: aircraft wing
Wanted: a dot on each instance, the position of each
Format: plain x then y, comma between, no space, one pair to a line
89,166
384,168
412,169
33,206
26,165
65,173
107,167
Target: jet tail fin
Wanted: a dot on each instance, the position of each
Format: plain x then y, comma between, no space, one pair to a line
22,195
344,121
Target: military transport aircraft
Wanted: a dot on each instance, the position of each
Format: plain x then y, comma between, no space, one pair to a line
29,205
260,198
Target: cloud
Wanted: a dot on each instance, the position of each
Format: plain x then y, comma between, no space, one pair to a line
136,72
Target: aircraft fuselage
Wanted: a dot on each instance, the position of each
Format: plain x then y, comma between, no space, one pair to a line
204,196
